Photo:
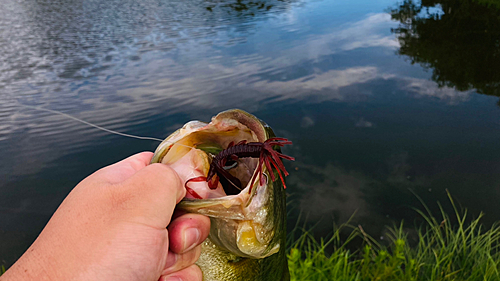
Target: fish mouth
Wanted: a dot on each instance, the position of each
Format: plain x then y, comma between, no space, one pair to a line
242,214
196,144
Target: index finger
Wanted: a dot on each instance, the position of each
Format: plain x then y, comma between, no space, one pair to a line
127,167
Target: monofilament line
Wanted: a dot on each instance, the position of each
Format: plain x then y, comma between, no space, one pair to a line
97,126
92,125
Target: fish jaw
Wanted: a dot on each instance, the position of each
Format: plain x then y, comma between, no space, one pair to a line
166,145
249,225
242,224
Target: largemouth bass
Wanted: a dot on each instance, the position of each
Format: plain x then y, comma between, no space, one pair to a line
248,231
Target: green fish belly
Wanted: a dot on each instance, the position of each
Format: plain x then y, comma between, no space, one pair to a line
220,265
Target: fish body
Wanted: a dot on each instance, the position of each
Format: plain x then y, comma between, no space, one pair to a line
248,232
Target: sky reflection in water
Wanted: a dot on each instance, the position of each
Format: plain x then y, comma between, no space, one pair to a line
367,124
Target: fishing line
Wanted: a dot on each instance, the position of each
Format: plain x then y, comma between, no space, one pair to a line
92,125
97,126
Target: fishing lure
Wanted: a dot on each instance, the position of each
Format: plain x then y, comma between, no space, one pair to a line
263,150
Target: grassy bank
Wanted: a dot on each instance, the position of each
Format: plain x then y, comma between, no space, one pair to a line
438,250
463,250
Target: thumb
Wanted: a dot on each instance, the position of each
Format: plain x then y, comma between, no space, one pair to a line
150,195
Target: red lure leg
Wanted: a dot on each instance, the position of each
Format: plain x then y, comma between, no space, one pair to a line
270,157
190,190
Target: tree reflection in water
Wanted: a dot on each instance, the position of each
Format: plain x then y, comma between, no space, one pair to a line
458,39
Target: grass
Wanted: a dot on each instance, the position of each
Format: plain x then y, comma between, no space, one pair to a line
442,250
464,250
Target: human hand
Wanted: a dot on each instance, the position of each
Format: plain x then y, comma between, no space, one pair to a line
117,225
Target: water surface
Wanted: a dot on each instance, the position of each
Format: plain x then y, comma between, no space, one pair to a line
384,101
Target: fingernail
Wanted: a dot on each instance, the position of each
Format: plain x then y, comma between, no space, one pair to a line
191,237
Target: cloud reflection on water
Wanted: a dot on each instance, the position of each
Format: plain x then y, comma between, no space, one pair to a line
368,32
212,84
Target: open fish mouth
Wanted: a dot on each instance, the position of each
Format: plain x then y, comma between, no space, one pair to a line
233,174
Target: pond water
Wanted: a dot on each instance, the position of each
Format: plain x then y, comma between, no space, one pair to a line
384,101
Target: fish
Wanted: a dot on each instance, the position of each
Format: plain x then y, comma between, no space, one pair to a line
247,239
